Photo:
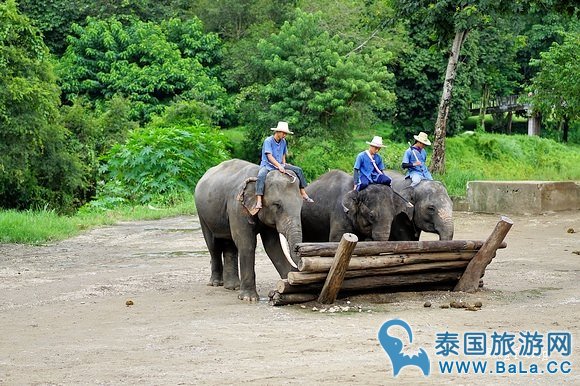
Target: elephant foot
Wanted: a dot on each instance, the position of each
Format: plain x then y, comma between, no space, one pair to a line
232,284
215,283
249,296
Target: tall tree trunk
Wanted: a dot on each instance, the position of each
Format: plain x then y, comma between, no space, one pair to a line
438,161
534,124
509,122
565,128
485,92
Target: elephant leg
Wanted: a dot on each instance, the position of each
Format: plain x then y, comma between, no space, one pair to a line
271,241
231,275
245,240
215,251
247,257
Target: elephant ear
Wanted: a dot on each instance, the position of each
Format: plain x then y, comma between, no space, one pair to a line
247,194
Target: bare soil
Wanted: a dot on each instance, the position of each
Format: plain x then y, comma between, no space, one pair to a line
64,317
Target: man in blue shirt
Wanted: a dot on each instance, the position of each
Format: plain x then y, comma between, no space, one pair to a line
414,160
368,166
274,152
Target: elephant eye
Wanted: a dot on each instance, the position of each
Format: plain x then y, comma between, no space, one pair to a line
431,209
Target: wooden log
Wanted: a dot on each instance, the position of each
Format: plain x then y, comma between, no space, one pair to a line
283,287
338,269
302,278
322,264
391,282
279,299
370,248
469,281
399,281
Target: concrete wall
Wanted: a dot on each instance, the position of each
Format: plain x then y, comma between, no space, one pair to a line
522,197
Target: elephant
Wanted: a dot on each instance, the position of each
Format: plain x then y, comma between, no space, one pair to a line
338,209
224,197
433,209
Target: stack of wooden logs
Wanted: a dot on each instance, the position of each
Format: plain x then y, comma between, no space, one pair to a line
352,266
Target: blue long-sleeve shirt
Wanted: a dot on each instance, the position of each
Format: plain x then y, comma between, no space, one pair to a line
410,158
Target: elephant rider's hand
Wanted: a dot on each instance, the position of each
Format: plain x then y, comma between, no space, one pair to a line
281,168
417,163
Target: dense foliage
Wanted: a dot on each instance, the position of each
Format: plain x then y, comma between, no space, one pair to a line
314,81
149,64
37,169
55,18
118,86
556,89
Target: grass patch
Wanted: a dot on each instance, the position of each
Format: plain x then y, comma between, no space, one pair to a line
37,227
483,156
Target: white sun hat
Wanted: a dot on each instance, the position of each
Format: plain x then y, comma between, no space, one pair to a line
376,142
283,127
422,137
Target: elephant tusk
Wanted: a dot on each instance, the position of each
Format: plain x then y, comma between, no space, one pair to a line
285,248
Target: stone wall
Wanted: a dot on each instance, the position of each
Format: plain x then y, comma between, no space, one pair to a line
522,197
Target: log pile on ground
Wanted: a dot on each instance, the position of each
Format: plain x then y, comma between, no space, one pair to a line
327,269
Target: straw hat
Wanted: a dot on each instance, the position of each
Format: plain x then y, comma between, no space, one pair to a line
376,142
422,137
283,127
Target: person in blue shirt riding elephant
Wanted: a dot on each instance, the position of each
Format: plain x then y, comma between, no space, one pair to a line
415,158
369,166
274,151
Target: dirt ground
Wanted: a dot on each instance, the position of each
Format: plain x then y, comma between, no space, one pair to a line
64,318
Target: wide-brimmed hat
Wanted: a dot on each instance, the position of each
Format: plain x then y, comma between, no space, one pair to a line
283,127
376,142
422,137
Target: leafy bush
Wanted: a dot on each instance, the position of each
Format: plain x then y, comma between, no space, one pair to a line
159,163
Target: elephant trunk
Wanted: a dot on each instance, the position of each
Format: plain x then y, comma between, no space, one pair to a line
380,236
446,231
444,226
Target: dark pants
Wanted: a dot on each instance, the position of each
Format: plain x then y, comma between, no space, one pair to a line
364,181
261,182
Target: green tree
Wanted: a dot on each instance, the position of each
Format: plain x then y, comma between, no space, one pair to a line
314,81
497,72
148,64
233,19
55,18
555,88
37,168
453,21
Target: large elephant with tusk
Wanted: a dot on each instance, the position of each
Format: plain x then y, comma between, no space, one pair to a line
224,197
